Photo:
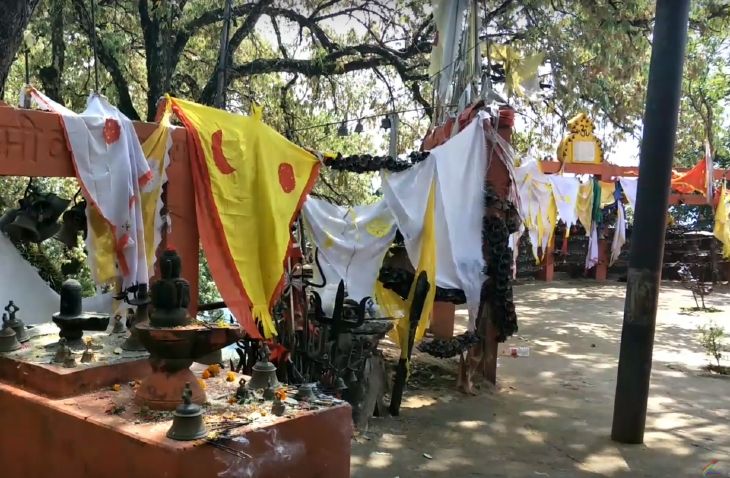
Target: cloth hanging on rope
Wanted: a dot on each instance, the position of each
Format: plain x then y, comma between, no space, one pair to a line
461,166
630,187
619,234
458,168
584,208
722,221
111,166
250,183
565,193
391,302
608,188
592,254
537,206
352,241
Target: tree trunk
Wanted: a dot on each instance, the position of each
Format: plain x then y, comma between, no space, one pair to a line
14,17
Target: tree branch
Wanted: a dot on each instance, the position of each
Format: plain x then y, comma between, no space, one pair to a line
110,62
208,94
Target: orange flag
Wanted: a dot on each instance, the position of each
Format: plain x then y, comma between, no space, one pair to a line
250,183
694,180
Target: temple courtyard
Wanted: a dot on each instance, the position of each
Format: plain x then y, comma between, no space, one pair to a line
551,416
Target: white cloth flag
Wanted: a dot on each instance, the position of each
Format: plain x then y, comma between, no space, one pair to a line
565,193
630,186
459,167
112,169
351,242
592,255
619,235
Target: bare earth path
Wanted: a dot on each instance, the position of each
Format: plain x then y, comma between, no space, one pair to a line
552,414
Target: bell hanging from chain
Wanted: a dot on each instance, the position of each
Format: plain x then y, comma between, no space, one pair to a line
342,130
73,223
8,340
187,423
264,372
24,228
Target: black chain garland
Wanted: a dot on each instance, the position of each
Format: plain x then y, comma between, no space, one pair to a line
400,280
366,163
447,348
496,229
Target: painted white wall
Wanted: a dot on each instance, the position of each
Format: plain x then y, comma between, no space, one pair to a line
20,282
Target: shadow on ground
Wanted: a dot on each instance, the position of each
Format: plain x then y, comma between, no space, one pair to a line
551,416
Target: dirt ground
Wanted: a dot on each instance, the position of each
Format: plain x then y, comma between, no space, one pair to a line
551,416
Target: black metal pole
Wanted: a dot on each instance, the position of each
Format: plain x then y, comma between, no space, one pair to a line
647,241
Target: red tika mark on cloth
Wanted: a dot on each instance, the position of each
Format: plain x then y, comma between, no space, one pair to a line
145,178
112,131
218,157
286,177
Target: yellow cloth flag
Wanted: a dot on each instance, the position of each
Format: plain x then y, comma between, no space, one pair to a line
607,191
250,183
722,221
398,308
585,205
521,71
102,254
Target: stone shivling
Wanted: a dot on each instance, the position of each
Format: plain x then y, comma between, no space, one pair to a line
175,339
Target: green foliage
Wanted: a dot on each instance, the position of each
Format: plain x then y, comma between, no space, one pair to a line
712,338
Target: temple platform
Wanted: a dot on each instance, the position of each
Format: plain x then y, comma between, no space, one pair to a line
83,422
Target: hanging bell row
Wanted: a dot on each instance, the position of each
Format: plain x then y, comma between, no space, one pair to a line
36,219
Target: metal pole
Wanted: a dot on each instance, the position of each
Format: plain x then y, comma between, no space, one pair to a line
647,242
220,101
393,146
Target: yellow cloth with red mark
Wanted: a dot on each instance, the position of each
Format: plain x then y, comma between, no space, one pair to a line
394,305
250,183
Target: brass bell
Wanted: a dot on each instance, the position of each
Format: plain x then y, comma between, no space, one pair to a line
278,408
264,372
187,423
73,222
8,218
8,340
118,325
306,393
88,355
351,377
48,206
15,323
24,228
62,351
340,384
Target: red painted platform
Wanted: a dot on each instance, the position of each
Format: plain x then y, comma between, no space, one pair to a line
77,437
81,434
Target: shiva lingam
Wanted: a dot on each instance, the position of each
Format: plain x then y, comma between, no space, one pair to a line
174,340
72,321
